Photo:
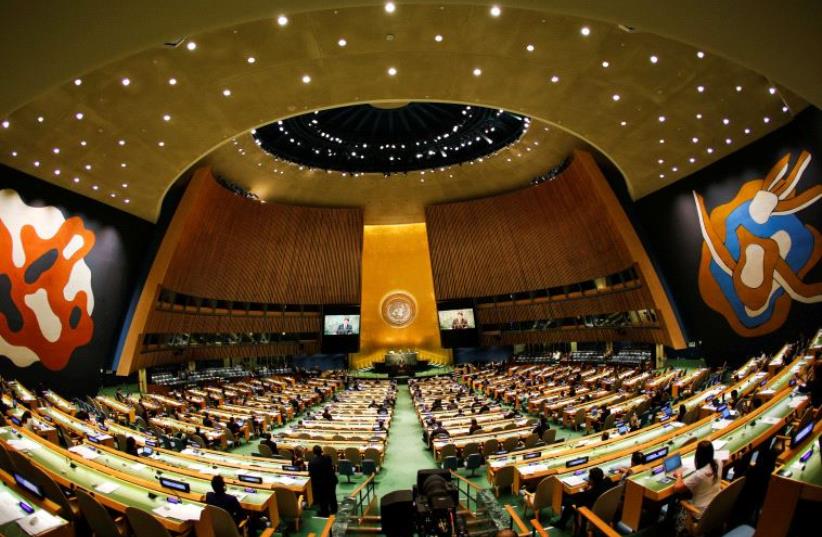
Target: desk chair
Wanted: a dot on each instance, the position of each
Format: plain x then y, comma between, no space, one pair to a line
221,523
373,454
144,524
472,462
54,492
369,466
549,436
332,452
450,462
448,450
542,497
290,506
353,455
503,478
604,508
510,444
490,447
344,467
98,517
717,513
265,451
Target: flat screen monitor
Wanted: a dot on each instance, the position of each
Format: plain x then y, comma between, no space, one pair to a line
457,319
655,454
801,434
28,486
173,484
576,462
257,480
672,463
529,456
341,325
145,451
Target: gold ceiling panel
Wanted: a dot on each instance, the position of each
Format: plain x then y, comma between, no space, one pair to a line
202,121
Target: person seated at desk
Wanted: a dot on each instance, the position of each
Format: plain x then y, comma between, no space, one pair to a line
131,446
484,409
605,411
220,498
207,422
597,484
542,426
703,484
327,414
26,422
474,426
268,442
380,426
436,405
637,459
680,417
634,422
373,404
233,426
440,432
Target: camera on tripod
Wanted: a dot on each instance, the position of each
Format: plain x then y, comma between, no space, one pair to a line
432,504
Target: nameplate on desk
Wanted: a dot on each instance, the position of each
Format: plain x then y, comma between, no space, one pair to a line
151,443
250,479
529,456
92,438
173,484
290,468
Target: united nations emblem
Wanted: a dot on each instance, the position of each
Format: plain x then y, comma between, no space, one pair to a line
756,250
398,309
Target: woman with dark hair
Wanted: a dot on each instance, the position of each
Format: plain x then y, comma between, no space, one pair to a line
704,483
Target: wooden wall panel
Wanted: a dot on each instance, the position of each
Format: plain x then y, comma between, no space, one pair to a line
162,322
165,357
639,335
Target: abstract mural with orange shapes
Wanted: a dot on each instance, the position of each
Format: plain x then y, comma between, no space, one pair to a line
756,251
46,299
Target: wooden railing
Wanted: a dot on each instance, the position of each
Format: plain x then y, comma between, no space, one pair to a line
517,524
363,495
468,490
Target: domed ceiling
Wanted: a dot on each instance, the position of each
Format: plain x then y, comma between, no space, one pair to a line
124,131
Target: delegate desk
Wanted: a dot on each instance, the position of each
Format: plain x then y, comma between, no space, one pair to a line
10,498
339,445
798,477
211,435
76,427
54,399
480,438
118,492
737,436
690,379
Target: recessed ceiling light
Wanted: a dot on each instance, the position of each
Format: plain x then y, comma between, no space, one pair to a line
126,200
772,90
56,150
662,140
710,150
78,82
87,167
390,7
615,96
113,195
674,169
726,121
36,163
226,92
495,11
747,131
700,89
95,187
605,64
251,59
282,20
700,54
692,160
623,123
122,164
529,48
661,119
785,109
766,119
660,161
738,89
166,117
6,124
653,59
585,31
124,185
306,79
125,81
14,153
191,45
695,140
57,172
438,38
121,142
477,71
83,143
699,116
555,79
76,179
40,119
172,81
342,42
392,71
728,141
161,143
662,176
79,115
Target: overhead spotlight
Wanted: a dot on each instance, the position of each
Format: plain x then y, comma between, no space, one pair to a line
438,38
477,71
342,42
738,89
615,97
161,143
172,81
392,71
700,54
36,163
661,119
282,20
726,121
585,31
121,142
747,131
78,82
623,123
79,115
766,119
728,141
699,116
56,150
40,119
6,124
692,160
695,140
605,64
166,117
191,45
710,150
700,89
772,90
125,81
95,187
390,7
555,79
226,92
251,59
653,59
529,48
76,179
495,11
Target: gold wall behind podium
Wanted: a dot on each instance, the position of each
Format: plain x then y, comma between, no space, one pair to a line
395,258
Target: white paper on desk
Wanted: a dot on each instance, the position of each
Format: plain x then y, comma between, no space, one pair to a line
797,401
40,522
722,455
721,424
23,444
85,452
107,488
770,420
718,444
180,511
8,508
137,466
573,480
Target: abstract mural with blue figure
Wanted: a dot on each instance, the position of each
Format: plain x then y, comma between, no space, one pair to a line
756,250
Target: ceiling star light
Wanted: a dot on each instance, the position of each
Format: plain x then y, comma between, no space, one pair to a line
124,185
747,131
95,187
172,81
695,140
555,79
79,115
495,11
78,82
699,116
654,59
282,20
738,89
191,45
700,54
605,64
6,124
615,97
392,71
87,167
692,160
726,121
226,92
438,38
127,200
161,143
477,71
251,59
125,81
40,119
166,117
766,119
83,143
529,48
342,42
57,172
56,150
661,119
585,31
700,89
76,179
710,150
728,141
36,163
772,90
390,7
623,123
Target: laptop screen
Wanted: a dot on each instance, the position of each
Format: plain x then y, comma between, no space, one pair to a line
28,486
672,463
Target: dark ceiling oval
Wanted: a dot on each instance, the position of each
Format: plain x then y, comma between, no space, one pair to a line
385,139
